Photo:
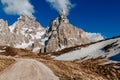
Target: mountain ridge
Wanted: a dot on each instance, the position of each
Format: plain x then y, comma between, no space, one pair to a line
29,34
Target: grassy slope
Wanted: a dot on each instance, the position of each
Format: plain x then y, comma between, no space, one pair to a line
89,69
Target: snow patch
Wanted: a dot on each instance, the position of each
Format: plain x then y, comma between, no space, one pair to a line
91,51
44,40
60,48
38,35
4,47
109,62
36,49
24,45
2,51
117,67
12,27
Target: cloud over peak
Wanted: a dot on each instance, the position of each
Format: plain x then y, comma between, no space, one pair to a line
18,7
61,4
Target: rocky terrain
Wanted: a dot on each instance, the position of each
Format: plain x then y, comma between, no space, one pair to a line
27,33
60,52
30,29
98,67
62,34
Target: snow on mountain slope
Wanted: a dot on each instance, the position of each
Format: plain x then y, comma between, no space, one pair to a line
24,45
27,27
107,48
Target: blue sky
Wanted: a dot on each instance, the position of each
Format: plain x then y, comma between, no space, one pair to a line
102,16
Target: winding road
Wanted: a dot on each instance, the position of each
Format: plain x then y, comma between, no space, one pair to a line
28,69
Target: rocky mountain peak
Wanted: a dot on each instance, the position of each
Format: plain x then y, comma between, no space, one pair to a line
3,26
6,37
63,17
28,27
62,34
25,18
27,33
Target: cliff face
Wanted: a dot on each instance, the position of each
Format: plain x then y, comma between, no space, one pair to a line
30,29
24,33
62,34
27,33
4,32
8,38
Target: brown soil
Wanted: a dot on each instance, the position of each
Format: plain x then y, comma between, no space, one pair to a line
86,70
28,69
4,63
96,66
92,69
70,70
10,51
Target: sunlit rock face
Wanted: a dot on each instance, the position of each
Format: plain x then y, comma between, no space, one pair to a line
30,29
8,38
27,33
62,34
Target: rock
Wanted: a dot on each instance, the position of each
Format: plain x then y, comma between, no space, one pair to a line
62,34
31,30
28,27
27,33
22,34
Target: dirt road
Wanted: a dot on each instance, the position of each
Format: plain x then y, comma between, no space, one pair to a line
28,69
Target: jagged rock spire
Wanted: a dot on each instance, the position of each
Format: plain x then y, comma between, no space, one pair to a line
63,14
63,17
62,34
3,26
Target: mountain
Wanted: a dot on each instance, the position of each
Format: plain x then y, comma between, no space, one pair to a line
109,49
68,54
8,38
25,33
30,29
28,34
62,34
94,61
102,63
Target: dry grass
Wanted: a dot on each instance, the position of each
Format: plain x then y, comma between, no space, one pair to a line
10,51
87,70
4,63
70,70
96,67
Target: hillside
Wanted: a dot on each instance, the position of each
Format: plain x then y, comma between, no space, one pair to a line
105,67
106,48
62,51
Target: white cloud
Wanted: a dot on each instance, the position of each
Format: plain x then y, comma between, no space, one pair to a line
94,36
18,7
61,4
